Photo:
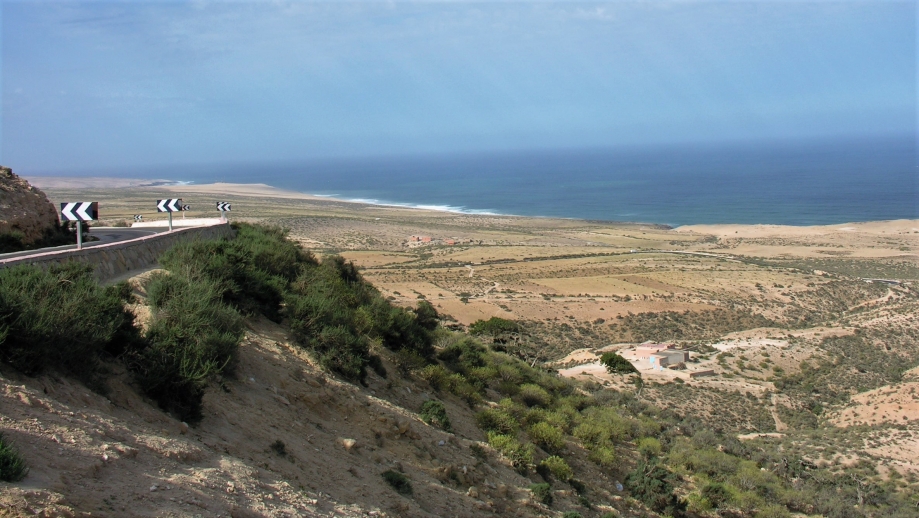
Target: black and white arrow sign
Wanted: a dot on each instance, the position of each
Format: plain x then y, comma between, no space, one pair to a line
170,205
223,205
186,207
80,211
138,217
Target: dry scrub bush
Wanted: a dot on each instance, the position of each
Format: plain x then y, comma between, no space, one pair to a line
547,437
62,319
558,467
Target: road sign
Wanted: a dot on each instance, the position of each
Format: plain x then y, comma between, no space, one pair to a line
170,205
186,207
138,217
80,211
223,205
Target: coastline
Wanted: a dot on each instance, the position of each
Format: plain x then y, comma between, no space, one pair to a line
725,230
721,229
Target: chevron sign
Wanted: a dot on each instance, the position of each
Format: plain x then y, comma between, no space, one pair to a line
80,211
223,205
138,217
171,205
186,207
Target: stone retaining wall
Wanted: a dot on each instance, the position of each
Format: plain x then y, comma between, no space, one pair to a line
115,259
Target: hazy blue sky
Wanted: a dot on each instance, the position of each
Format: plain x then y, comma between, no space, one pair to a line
112,84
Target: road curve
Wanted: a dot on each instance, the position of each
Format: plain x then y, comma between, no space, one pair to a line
106,235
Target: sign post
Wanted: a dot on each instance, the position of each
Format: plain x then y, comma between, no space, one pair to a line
80,211
223,207
169,206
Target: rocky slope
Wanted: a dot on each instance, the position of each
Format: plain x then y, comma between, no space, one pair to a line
23,208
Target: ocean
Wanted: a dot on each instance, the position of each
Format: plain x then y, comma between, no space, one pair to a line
802,183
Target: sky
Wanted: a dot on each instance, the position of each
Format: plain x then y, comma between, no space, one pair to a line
122,84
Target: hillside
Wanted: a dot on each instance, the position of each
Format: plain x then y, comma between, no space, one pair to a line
122,456
310,394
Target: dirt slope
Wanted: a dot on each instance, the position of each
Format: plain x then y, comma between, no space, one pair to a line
122,456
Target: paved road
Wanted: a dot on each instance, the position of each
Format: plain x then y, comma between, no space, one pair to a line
106,235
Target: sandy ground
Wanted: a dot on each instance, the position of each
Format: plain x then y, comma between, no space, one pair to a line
899,226
249,189
90,182
895,404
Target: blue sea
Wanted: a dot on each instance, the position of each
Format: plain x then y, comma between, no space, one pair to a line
800,183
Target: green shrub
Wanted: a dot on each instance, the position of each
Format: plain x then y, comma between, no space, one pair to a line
61,318
499,329
604,456
520,455
579,487
616,364
547,437
748,502
332,311
713,463
603,426
649,447
572,514
466,391
558,467
253,270
408,362
398,481
279,447
463,355
193,336
559,419
652,483
716,494
542,493
12,466
437,376
434,413
497,421
534,395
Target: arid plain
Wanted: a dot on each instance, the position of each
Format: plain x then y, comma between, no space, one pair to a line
811,334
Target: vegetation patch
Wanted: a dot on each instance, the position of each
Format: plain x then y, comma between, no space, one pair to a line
542,493
193,337
687,325
13,467
398,481
434,414
62,319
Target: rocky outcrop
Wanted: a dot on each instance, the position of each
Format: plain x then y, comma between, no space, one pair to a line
23,208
